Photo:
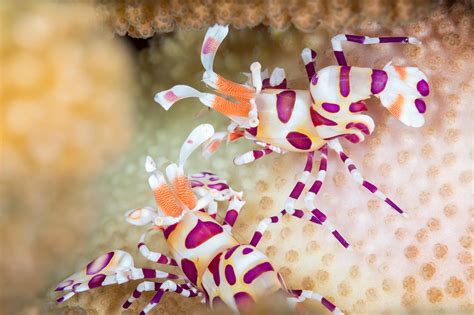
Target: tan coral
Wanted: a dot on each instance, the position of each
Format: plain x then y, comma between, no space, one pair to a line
142,18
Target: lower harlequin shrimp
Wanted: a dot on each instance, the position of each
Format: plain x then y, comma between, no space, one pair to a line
215,265
280,119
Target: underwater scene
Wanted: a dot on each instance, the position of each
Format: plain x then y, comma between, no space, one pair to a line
226,157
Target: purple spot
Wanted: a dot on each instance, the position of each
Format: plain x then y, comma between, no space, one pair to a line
196,183
243,300
379,80
96,281
60,299
314,79
75,286
214,269
201,233
316,187
169,230
369,186
423,87
156,299
420,105
285,104
298,213
362,127
257,154
218,186
393,205
341,240
330,107
358,107
230,274
319,215
356,38
340,58
352,138
63,285
189,269
162,260
266,84
247,250
319,120
393,39
328,304
149,273
256,271
343,156
230,251
351,167
136,294
140,244
344,81
252,131
274,219
310,71
99,263
126,304
256,238
299,140
296,192
230,217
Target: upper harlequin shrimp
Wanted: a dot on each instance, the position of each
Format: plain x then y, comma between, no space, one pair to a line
280,119
215,265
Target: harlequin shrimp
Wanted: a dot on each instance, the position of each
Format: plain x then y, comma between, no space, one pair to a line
280,119
215,265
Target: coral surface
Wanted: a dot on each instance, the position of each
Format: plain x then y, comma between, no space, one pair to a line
141,18
420,263
65,104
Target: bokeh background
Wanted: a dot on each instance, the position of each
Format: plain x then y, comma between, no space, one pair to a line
78,118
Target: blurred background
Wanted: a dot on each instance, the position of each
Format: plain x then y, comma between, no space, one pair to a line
78,118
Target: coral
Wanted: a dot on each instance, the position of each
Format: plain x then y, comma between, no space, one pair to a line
423,262
141,18
65,103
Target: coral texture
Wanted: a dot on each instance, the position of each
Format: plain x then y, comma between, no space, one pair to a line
65,104
421,263
141,18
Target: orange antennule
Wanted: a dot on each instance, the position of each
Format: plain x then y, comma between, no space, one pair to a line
182,187
166,200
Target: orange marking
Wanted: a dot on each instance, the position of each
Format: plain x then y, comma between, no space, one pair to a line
235,135
234,89
166,201
402,72
231,109
183,190
214,145
397,106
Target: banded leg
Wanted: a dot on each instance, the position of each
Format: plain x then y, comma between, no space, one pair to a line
160,288
320,176
309,57
251,156
357,177
233,211
311,217
100,280
337,40
154,256
301,295
300,185
272,147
